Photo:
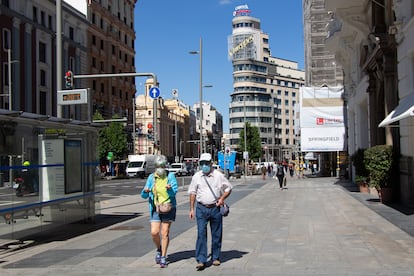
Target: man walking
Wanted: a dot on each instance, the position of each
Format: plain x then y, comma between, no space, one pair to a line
209,188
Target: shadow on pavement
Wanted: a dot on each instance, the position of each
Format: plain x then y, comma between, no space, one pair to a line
232,254
66,232
188,254
182,255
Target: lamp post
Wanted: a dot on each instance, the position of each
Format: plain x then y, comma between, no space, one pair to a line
200,53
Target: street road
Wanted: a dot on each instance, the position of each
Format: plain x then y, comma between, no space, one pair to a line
120,187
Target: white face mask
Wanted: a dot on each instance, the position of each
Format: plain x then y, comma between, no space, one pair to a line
161,172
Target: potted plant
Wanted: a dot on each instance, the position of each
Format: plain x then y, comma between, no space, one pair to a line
379,161
361,173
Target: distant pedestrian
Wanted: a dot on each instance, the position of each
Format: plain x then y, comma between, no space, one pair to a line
263,170
161,188
209,188
281,175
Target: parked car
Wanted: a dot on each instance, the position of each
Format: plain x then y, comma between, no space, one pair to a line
178,168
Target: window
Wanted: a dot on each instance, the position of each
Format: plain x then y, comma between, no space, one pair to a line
102,44
93,40
6,39
50,24
113,90
93,18
42,77
71,33
42,102
113,49
94,62
6,73
72,63
35,14
42,52
102,66
42,18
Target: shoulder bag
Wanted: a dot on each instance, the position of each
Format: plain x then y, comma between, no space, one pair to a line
224,209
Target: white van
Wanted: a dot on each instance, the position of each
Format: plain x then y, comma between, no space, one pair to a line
140,165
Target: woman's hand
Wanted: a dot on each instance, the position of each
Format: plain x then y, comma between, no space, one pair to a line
146,190
168,186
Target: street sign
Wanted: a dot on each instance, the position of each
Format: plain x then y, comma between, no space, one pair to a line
74,96
154,92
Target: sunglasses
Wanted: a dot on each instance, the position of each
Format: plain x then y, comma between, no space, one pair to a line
205,163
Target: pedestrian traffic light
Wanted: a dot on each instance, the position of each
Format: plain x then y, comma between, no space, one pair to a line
69,80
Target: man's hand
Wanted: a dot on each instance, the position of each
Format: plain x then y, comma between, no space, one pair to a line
191,215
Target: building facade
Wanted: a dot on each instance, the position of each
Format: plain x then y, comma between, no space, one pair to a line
111,39
174,132
377,62
28,75
265,88
212,126
97,38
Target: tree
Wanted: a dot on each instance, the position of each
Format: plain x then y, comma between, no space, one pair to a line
254,145
112,139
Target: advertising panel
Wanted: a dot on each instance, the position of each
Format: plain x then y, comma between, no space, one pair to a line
322,119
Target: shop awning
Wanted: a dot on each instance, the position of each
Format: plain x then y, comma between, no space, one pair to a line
404,110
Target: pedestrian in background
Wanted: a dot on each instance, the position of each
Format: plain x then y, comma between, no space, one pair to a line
161,187
263,169
209,188
281,175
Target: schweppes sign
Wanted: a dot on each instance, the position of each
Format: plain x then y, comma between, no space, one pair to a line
242,10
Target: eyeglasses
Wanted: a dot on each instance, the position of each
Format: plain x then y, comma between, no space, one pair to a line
204,163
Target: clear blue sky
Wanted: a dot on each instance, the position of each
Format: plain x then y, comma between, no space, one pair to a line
167,30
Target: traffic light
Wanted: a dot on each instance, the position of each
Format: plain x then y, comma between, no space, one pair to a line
69,80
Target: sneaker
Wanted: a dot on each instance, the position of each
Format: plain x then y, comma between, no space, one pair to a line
200,266
158,257
216,262
163,262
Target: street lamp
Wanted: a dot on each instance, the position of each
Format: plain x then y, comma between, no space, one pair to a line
200,53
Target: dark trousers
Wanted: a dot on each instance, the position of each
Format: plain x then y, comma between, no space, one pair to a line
280,178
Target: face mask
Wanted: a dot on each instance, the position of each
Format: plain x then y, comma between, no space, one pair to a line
160,172
205,168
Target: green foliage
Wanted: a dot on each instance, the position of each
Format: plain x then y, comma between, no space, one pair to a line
253,145
113,138
358,161
97,116
379,162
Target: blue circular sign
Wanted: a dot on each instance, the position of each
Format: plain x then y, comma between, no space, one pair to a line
154,92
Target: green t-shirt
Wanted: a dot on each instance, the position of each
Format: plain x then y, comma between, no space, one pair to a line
161,190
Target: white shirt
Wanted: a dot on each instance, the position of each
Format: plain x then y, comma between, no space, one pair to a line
218,183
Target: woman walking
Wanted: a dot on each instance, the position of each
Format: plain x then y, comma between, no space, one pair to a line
160,189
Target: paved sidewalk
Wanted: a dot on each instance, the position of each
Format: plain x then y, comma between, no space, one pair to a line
314,227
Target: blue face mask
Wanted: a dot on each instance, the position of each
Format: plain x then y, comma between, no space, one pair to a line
205,168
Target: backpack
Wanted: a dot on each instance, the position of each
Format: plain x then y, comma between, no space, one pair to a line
280,170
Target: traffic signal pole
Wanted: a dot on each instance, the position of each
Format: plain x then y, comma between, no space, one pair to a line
152,75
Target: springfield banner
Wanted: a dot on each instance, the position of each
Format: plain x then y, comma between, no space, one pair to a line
322,125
